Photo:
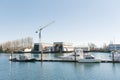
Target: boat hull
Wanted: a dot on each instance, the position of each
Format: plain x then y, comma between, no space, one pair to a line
27,60
89,60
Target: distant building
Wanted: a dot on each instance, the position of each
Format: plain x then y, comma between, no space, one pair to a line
62,47
84,48
45,46
112,47
55,47
36,47
27,50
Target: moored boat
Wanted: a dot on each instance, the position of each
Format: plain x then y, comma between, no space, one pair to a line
88,58
27,60
73,56
22,58
116,55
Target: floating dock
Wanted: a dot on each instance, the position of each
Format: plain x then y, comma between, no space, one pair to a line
61,60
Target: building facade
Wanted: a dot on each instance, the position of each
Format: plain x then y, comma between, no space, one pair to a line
62,47
84,48
46,47
112,47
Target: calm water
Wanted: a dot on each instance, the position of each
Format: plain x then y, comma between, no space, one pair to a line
58,70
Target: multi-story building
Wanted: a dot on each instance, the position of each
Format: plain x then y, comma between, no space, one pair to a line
112,47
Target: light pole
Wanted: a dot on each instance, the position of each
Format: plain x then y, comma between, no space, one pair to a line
40,41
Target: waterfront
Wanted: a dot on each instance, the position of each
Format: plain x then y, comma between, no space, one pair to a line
58,70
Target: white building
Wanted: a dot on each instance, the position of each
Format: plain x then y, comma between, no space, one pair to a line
85,48
112,47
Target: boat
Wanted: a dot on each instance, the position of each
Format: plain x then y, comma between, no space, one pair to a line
27,60
88,58
116,55
73,56
80,56
22,58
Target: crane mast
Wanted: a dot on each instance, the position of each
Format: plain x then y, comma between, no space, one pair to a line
40,32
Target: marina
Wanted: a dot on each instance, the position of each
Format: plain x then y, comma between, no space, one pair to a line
60,40
63,60
67,57
77,56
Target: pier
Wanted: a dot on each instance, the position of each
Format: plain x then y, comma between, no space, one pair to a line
61,60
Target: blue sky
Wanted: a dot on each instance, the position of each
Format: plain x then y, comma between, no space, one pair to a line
76,21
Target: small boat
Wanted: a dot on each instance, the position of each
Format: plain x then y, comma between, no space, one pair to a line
22,58
116,55
68,57
88,58
77,54
27,60
17,60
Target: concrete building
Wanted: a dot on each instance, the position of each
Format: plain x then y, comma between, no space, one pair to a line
62,47
84,48
112,47
45,46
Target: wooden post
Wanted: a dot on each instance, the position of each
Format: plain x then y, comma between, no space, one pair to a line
113,56
75,55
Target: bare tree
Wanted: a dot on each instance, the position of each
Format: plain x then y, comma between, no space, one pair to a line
16,45
92,46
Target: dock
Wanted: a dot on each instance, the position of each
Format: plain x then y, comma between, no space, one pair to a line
56,60
60,60
106,61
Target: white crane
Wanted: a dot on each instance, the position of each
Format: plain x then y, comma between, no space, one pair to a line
40,42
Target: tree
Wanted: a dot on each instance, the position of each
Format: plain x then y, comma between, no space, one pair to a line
1,50
16,45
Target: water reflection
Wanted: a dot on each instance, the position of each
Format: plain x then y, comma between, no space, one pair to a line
10,72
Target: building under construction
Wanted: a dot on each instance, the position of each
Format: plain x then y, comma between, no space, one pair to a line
46,47
55,47
62,47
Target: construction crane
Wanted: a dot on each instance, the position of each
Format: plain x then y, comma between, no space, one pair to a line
40,42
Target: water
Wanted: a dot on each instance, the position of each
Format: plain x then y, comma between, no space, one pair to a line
58,70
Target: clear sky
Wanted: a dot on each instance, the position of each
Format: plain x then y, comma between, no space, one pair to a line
76,21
